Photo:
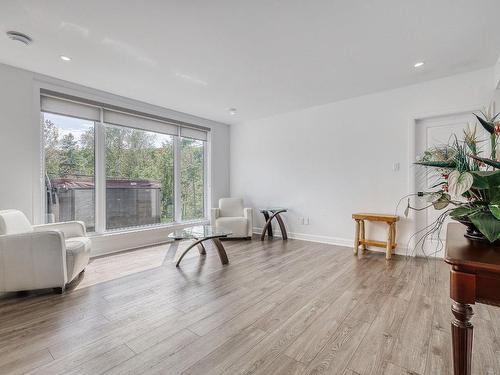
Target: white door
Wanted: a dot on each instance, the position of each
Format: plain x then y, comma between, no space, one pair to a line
430,132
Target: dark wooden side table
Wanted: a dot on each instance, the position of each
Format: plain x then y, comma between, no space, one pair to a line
474,277
269,215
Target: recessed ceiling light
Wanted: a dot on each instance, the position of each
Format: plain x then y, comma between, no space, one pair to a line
419,64
19,37
232,111
65,58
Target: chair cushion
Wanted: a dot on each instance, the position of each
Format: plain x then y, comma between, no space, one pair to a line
77,255
237,225
14,222
231,207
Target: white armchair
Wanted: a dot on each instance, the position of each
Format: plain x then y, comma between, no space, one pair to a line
231,215
40,256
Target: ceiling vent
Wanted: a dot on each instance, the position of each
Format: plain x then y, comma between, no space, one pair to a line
20,37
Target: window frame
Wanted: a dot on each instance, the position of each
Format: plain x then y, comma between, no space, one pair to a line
100,175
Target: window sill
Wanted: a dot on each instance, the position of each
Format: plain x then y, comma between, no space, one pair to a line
147,228
135,238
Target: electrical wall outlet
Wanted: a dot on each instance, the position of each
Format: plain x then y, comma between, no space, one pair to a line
303,221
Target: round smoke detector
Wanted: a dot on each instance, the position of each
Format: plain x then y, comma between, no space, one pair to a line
19,37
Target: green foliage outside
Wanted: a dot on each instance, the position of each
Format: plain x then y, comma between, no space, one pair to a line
131,154
192,179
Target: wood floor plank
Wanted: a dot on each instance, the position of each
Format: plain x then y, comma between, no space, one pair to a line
284,365
336,354
85,353
21,364
439,359
279,307
146,360
315,337
263,354
410,350
221,358
380,338
484,355
100,364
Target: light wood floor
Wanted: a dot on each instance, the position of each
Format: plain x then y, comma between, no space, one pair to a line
278,308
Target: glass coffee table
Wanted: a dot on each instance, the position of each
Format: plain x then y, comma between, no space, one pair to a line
200,234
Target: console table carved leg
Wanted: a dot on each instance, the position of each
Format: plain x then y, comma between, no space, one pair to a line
221,251
462,333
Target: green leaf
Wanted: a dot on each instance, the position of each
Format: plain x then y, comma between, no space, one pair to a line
463,211
486,179
434,196
442,202
495,210
490,162
489,126
438,164
459,183
487,224
494,196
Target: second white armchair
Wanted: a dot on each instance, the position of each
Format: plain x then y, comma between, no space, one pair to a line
232,216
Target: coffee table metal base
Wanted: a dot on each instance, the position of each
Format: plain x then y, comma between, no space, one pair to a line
201,248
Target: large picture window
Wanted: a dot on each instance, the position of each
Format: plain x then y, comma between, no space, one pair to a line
116,170
69,169
139,178
192,178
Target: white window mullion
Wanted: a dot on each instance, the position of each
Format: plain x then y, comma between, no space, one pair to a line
177,180
100,176
207,179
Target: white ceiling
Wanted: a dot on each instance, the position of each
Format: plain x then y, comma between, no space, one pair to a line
263,57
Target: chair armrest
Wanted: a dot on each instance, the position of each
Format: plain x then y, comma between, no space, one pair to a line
68,228
248,213
214,214
34,260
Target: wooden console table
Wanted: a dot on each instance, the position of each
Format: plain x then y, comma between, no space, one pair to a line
359,237
474,277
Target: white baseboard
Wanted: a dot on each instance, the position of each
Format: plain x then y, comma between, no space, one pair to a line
346,242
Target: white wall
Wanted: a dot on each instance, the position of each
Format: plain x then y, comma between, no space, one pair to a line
497,74
329,161
20,147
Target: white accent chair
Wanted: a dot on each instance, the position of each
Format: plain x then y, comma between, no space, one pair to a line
231,215
40,256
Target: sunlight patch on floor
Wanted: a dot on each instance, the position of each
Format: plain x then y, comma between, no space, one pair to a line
115,266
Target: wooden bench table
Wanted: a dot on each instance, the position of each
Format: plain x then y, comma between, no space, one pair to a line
359,238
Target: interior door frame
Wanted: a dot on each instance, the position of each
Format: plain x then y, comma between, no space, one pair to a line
412,154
